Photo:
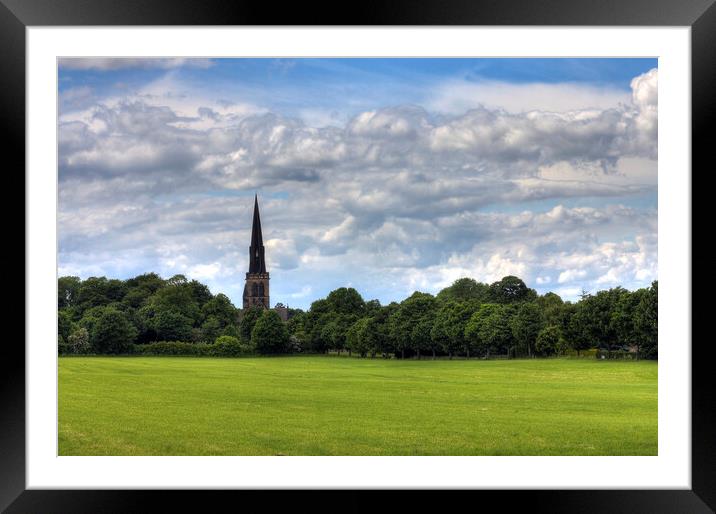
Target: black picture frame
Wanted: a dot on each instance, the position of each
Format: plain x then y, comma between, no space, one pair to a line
16,15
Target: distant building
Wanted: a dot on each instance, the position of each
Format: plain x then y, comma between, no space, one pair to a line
256,289
282,311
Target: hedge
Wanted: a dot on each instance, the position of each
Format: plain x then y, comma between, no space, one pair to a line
225,346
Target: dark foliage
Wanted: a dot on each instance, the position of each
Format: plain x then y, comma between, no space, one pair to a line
149,315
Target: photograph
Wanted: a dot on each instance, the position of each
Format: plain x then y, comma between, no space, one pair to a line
357,256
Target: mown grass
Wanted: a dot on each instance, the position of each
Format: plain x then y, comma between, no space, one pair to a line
346,406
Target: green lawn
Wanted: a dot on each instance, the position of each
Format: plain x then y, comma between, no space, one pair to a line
347,406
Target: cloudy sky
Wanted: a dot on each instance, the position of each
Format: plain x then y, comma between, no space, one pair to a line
388,175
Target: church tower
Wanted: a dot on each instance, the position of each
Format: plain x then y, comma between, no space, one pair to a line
256,289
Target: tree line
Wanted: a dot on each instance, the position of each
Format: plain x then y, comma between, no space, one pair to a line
150,315
471,319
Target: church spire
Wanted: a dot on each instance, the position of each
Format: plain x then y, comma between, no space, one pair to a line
257,263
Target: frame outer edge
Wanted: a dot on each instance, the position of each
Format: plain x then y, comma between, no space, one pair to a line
12,77
12,142
703,419
377,12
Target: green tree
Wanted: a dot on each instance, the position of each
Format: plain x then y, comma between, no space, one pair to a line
379,338
248,320
550,305
465,289
372,308
548,340
172,325
346,300
313,325
417,309
141,288
211,328
99,291
112,332
357,337
343,323
220,308
143,321
511,289
474,327
67,290
231,330
327,331
269,335
449,327
151,282
646,321
296,326
89,320
200,293
65,324
136,297
594,316
624,318
526,325
177,296
488,329
569,324
421,334
327,322
62,347
463,313
334,329
177,280
439,333
331,318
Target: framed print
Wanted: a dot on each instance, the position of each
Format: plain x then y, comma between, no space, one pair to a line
457,219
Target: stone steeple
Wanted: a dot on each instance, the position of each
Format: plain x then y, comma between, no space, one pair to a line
257,263
256,289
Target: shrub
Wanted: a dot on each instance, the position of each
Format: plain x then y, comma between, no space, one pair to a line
79,342
171,348
228,346
226,340
224,346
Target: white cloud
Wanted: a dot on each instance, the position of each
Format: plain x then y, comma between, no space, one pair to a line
281,253
345,229
393,200
204,271
456,97
571,275
645,92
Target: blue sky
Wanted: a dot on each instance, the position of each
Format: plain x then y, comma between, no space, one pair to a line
346,87
389,175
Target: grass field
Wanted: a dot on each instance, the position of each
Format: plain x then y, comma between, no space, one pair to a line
346,406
